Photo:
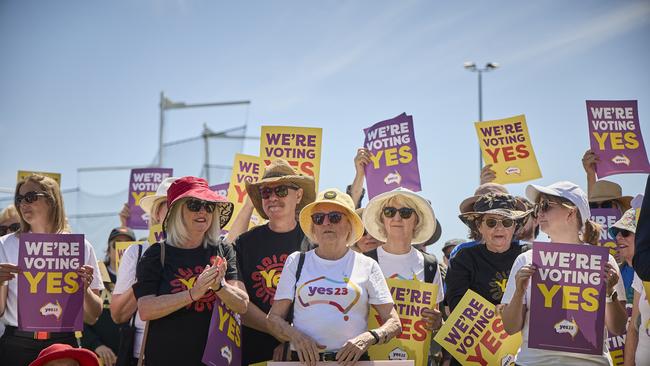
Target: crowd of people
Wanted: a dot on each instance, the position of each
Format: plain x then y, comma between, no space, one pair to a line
155,309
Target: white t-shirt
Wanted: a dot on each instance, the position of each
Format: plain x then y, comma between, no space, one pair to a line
643,347
9,254
404,266
333,297
126,279
532,356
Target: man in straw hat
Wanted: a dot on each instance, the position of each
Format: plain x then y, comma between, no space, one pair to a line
262,251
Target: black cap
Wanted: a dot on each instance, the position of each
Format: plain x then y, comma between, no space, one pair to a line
121,231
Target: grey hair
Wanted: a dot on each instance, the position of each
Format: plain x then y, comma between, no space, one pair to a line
177,232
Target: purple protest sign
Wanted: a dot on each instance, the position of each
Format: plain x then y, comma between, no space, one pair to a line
606,217
394,156
616,343
222,188
49,288
567,305
615,136
223,346
143,182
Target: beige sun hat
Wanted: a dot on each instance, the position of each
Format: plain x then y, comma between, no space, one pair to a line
344,201
604,190
147,202
372,216
281,172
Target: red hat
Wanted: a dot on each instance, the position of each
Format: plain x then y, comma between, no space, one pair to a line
198,188
59,351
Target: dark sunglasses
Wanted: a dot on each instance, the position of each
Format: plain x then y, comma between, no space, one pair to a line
404,212
543,206
4,230
195,205
319,217
604,204
280,191
491,222
624,233
29,197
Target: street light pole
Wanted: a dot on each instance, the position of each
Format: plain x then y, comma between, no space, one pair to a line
166,104
471,66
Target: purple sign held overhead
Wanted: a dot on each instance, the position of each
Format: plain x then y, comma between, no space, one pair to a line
394,156
49,287
143,182
615,136
567,305
606,217
223,346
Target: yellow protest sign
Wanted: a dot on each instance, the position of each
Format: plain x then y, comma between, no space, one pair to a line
103,271
245,168
474,334
506,145
120,248
156,234
300,146
22,174
410,297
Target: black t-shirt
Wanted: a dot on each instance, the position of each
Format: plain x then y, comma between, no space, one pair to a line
261,254
179,338
480,270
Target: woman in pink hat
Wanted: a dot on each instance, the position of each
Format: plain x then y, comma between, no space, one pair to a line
179,280
60,354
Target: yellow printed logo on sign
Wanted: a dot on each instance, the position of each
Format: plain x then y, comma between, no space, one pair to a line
410,297
245,168
120,248
474,334
22,174
300,146
506,145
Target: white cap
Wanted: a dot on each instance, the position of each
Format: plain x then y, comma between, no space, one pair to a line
563,189
147,202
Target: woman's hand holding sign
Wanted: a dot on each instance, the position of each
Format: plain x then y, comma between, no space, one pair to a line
86,275
612,278
8,272
354,348
523,278
433,319
306,347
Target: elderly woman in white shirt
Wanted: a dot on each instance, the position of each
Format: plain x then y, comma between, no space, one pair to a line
333,290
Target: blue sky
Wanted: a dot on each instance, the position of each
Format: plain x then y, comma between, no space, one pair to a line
81,80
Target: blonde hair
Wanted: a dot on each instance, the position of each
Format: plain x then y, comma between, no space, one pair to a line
406,202
177,232
8,213
154,210
53,196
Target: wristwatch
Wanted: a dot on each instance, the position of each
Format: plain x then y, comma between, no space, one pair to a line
611,298
221,285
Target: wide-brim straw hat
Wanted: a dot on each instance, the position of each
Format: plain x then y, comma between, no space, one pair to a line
279,171
147,202
483,189
604,190
424,230
193,187
496,204
344,202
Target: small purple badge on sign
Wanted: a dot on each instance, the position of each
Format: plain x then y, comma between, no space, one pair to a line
606,217
567,305
143,182
221,189
223,346
49,287
394,156
615,136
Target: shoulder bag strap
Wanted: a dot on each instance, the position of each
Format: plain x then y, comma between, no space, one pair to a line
301,262
146,326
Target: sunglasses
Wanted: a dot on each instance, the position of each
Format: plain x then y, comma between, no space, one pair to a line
280,191
544,206
195,205
625,233
492,223
319,217
604,204
29,197
404,212
4,229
